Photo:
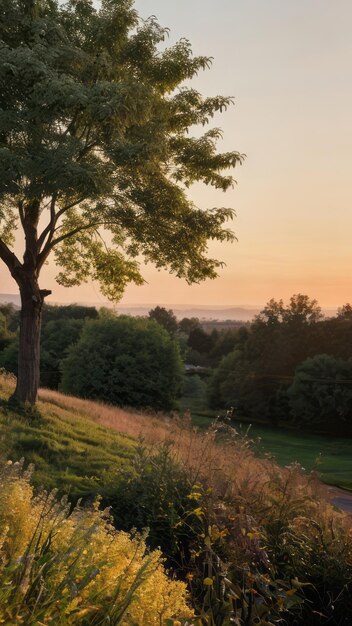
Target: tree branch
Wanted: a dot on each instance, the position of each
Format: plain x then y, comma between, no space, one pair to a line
50,245
9,258
74,232
51,225
53,221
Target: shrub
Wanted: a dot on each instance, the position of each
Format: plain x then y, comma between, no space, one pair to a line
124,361
69,568
321,393
153,494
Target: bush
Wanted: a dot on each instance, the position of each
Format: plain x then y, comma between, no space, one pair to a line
262,546
57,337
74,568
124,361
153,494
321,393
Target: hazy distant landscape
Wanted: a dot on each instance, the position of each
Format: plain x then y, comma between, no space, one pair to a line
243,313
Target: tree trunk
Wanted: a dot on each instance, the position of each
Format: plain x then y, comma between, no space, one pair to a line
29,348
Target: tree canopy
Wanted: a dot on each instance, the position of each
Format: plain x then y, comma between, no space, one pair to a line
94,138
96,153
125,361
166,318
321,393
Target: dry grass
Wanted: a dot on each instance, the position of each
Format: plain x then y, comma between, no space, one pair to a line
135,424
228,465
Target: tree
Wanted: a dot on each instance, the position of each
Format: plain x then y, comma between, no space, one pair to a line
345,312
56,313
95,153
165,318
302,310
187,324
321,393
57,337
125,361
200,340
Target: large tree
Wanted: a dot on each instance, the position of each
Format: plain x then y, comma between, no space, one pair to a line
96,152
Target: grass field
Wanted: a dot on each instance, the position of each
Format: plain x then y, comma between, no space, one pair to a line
331,457
69,451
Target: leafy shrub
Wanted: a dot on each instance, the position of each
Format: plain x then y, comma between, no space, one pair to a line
124,361
206,539
321,393
69,568
153,494
57,337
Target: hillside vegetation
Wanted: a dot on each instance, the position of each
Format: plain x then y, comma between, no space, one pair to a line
255,543
69,451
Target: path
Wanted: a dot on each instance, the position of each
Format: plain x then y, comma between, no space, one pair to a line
341,498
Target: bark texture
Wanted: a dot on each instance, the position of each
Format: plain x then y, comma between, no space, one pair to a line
29,346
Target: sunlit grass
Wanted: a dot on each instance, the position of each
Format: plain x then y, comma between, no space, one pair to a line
69,451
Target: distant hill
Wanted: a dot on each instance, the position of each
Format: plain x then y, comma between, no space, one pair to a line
242,314
13,298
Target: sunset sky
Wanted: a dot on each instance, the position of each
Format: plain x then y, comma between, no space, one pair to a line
288,65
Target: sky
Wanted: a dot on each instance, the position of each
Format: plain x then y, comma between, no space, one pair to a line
288,65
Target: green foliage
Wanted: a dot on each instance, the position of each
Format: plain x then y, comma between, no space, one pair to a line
228,385
9,355
199,340
153,493
187,324
7,313
321,393
94,137
201,537
310,547
69,452
55,313
57,337
124,361
165,318
300,310
227,341
256,375
194,392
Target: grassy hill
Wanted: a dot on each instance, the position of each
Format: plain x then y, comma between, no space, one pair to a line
69,451
209,502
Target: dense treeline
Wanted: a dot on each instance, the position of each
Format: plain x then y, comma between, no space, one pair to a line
289,364
292,363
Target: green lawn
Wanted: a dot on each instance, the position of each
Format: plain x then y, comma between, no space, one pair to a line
330,456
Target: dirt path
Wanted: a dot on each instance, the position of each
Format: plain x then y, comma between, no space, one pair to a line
341,498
